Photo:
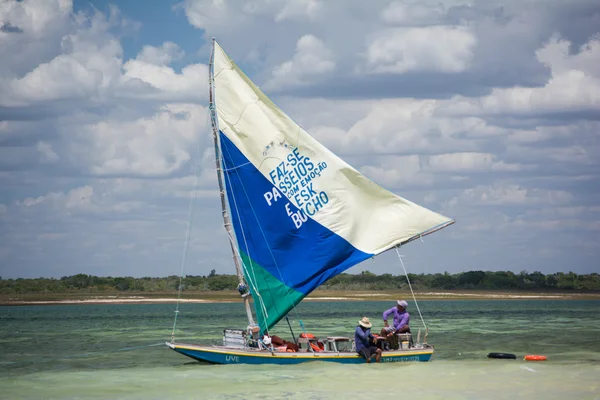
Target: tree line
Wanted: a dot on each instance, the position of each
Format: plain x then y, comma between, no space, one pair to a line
471,280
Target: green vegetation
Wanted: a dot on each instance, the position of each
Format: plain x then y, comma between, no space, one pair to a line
472,280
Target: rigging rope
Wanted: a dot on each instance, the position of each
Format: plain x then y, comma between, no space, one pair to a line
410,286
234,169
190,223
237,211
88,354
250,275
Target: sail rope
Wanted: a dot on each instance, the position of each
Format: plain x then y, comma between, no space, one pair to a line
239,218
236,167
190,222
262,233
410,286
244,234
269,247
251,276
87,354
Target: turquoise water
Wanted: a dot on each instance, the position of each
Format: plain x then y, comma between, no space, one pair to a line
116,351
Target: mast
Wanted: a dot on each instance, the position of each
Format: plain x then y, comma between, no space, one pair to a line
225,213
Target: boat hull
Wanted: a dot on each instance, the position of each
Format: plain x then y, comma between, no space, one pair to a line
222,355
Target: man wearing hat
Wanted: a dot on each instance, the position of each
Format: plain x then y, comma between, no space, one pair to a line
401,319
363,340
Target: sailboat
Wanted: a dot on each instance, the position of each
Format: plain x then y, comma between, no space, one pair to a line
296,215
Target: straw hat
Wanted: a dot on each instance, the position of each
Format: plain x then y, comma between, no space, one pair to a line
365,322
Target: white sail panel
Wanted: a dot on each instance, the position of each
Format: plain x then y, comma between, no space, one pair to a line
308,175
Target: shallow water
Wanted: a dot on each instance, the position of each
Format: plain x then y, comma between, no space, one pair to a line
117,351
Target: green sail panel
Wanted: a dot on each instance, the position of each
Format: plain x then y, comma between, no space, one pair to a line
268,293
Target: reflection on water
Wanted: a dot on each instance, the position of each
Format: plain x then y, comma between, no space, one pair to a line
108,351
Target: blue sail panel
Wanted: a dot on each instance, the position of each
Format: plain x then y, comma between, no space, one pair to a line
300,257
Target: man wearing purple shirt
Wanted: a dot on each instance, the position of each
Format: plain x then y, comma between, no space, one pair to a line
401,319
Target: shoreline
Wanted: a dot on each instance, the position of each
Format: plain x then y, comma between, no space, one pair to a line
342,295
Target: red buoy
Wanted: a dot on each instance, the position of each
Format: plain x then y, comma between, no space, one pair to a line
533,357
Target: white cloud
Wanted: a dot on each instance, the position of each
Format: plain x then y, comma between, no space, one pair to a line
89,66
212,14
567,211
411,126
83,199
461,162
468,162
569,155
160,56
154,146
142,80
34,17
75,199
574,84
127,246
499,194
82,72
396,172
556,55
48,155
202,13
409,13
440,48
36,26
312,58
299,9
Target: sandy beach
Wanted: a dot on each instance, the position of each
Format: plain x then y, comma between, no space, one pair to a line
105,300
331,295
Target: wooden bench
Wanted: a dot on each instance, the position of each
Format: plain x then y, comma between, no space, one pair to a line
306,342
339,343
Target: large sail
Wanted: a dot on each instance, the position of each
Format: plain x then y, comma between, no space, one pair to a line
301,214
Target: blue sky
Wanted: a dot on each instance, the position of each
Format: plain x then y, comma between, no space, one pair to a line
152,24
484,111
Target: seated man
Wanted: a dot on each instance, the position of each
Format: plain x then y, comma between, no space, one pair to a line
364,340
401,320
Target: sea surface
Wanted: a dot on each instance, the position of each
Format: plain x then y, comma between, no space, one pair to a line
117,351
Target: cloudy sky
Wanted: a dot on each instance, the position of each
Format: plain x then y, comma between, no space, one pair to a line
485,111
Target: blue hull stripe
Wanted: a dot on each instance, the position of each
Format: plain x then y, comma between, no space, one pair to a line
220,356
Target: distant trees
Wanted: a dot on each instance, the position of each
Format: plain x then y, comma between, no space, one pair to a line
470,280
90,283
